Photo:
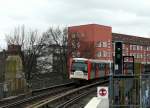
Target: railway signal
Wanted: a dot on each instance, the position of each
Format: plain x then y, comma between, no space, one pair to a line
118,58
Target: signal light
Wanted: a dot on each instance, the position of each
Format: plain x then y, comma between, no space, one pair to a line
118,52
118,57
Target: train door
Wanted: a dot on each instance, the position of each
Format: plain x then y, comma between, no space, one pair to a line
96,70
101,69
93,69
106,69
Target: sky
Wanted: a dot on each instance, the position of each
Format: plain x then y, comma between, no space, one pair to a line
124,16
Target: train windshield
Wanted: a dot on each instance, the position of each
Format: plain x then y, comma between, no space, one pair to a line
79,66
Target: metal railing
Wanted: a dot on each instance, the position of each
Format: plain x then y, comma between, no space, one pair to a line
20,86
12,88
130,91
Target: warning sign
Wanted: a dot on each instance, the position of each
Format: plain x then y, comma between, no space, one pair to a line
102,92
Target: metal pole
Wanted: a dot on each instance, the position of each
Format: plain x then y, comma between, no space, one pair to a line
110,84
140,91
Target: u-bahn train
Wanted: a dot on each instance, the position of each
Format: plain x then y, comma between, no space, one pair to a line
87,69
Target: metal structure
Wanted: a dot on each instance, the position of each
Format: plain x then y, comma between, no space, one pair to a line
133,92
129,86
118,58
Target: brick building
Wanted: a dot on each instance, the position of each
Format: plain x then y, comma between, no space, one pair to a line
102,38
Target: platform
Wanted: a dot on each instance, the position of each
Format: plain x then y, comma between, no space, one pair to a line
96,102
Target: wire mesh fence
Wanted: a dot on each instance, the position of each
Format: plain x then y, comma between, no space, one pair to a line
145,91
12,88
130,92
19,86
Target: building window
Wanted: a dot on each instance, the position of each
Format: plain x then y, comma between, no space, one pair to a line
138,47
149,56
130,54
109,43
134,47
98,44
130,47
141,48
109,54
73,35
123,46
135,55
104,44
144,56
148,48
104,54
101,44
141,56
138,55
98,54
144,48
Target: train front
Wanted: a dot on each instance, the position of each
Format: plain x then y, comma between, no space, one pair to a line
79,68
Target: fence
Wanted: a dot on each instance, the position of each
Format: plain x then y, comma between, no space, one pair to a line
145,91
12,88
130,91
18,86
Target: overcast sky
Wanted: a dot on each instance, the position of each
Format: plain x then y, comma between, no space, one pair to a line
125,16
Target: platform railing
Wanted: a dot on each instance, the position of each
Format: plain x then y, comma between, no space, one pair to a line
132,91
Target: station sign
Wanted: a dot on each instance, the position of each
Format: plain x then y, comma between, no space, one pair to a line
102,92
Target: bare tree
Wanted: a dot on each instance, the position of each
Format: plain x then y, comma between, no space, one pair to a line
32,45
58,37
37,50
73,45
78,46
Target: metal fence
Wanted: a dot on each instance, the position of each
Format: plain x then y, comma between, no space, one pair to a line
12,88
19,86
130,91
145,91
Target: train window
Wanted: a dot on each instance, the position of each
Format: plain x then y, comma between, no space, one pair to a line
112,66
79,66
93,66
101,66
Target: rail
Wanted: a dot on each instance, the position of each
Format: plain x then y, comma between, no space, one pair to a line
69,97
34,95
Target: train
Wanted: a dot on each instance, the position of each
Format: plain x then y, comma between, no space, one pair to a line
88,69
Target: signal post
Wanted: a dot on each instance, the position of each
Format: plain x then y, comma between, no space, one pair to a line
119,92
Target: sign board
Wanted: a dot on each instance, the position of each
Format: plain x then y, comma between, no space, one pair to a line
102,92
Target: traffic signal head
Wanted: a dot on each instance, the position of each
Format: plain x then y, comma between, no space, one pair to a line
118,52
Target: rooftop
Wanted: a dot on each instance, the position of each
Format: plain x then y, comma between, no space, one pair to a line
130,39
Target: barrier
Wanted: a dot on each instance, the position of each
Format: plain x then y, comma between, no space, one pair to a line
133,92
12,88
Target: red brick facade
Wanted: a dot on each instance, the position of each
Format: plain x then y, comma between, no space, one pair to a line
96,42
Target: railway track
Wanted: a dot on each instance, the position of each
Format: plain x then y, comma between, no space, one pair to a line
66,99
34,96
